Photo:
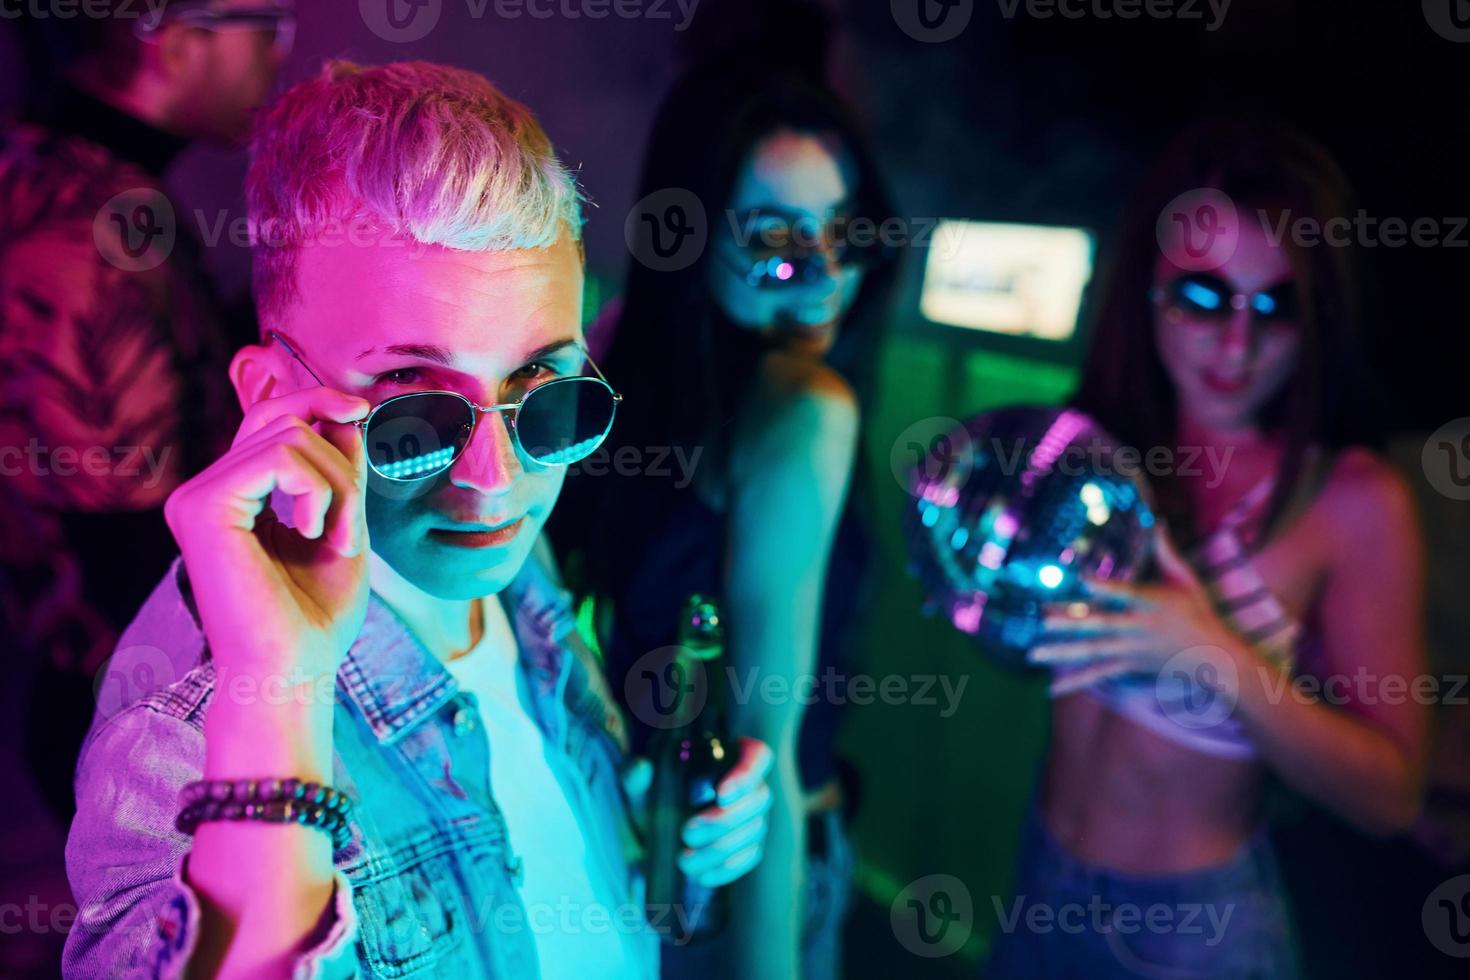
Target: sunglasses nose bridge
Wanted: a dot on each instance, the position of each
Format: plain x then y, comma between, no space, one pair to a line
508,412
486,463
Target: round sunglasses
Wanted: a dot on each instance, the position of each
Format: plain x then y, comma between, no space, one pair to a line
799,268
799,263
421,434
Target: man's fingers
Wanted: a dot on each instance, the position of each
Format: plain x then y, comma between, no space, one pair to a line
346,518
733,867
299,471
267,433
714,822
242,481
343,522
755,762
309,404
697,861
309,512
704,856
347,440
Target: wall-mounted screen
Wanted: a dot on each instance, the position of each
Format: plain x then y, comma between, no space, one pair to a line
1013,279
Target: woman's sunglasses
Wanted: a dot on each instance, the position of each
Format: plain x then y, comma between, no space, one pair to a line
800,263
1211,299
421,434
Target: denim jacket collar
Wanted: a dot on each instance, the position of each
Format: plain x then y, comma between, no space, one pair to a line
396,682
389,675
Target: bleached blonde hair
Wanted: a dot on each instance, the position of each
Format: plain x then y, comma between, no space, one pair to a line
412,150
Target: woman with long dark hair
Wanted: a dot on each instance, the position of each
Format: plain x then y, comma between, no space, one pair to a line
1233,338
750,365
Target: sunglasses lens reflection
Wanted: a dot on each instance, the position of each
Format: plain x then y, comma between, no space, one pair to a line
564,421
1207,298
417,436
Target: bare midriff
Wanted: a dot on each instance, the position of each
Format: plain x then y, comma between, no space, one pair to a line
1121,797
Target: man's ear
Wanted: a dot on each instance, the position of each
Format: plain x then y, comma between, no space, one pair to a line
253,372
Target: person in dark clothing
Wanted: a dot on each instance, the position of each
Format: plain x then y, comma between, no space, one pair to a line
750,368
108,330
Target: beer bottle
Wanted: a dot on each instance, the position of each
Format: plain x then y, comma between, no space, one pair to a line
690,755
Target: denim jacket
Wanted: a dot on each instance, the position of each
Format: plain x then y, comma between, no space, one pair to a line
427,884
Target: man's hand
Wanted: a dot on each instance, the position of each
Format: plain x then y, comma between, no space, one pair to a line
278,601
280,605
725,841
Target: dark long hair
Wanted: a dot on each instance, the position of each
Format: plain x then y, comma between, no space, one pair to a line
1330,402
682,365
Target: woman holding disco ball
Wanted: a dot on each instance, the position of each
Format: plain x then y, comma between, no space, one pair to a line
1221,336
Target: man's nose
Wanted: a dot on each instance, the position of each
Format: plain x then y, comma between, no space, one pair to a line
490,463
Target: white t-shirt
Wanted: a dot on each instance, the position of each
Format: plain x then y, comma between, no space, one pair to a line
576,930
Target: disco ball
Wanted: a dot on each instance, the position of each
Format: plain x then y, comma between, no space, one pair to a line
1009,511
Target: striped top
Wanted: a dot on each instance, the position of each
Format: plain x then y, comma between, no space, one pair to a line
1177,707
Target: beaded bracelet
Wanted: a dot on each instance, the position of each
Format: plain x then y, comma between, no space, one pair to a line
272,800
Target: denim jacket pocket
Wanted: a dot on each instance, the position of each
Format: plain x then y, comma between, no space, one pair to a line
409,916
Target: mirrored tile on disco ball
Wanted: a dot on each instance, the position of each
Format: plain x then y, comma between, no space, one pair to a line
1041,505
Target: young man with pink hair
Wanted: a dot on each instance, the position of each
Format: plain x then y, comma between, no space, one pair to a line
367,741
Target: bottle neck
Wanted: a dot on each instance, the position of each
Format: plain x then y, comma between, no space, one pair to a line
702,685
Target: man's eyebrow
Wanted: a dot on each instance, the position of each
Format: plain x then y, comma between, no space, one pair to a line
546,350
427,352
441,355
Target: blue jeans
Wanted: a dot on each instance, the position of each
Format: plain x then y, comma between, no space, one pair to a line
1071,919
826,899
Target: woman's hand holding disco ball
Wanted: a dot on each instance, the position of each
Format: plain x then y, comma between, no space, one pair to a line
1023,506
1145,627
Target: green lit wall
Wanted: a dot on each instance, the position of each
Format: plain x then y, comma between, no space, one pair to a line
940,795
